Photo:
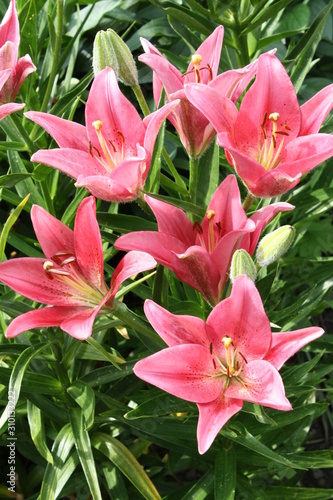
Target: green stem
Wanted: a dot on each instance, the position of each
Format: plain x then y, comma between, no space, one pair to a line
173,169
147,335
23,133
141,99
248,201
193,180
56,57
61,372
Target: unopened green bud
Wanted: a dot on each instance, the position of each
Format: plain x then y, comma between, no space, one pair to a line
111,51
274,245
242,263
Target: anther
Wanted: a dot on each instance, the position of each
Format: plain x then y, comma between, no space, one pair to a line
211,347
214,364
197,227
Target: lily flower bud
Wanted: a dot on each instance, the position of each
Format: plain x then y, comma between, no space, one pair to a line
111,51
274,245
242,263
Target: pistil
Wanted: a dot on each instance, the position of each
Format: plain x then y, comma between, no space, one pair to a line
210,214
268,155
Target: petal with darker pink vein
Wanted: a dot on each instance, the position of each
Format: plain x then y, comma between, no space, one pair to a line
176,329
286,344
212,417
262,384
186,371
53,235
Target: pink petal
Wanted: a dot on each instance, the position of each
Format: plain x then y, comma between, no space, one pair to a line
73,162
224,250
9,28
186,371
286,344
153,123
305,153
261,218
4,75
242,318
107,189
27,277
272,92
39,318
88,244
172,220
197,268
212,417
8,109
218,109
274,183
149,48
117,114
8,60
22,69
315,111
262,384
66,133
52,234
158,245
169,76
210,51
132,263
175,329
227,205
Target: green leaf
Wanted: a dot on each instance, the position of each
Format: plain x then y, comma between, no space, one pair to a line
9,224
298,493
34,382
27,185
84,396
125,223
126,463
208,178
62,446
266,13
225,474
84,451
37,432
16,378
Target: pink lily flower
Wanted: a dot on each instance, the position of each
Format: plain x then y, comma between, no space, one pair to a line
194,129
271,141
218,364
200,254
13,71
110,156
70,279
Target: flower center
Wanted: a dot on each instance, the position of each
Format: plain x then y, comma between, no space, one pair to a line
68,272
196,59
269,153
213,236
112,156
231,367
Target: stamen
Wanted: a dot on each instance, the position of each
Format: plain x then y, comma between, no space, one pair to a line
214,364
210,72
211,347
105,148
262,124
197,227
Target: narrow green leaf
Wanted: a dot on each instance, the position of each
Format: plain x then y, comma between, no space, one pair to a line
9,224
297,493
84,396
225,474
27,185
16,378
202,488
266,13
126,463
37,432
125,223
84,451
34,382
62,446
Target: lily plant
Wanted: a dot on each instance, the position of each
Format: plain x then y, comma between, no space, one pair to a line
218,364
200,254
272,140
69,280
13,71
111,155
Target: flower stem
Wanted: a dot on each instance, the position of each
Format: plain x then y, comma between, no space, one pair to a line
248,201
141,99
193,180
56,57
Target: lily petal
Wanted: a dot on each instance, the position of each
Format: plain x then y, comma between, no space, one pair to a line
66,133
9,28
8,109
38,318
73,162
305,153
176,329
286,344
243,318
89,250
262,384
212,417
182,370
315,110
132,263
53,235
